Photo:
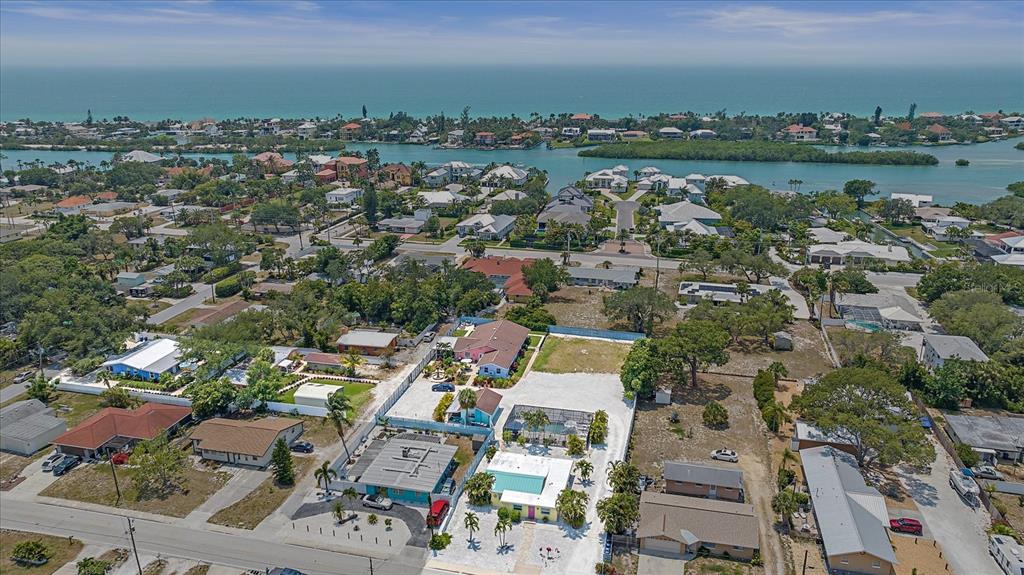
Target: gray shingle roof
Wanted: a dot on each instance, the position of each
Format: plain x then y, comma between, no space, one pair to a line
704,474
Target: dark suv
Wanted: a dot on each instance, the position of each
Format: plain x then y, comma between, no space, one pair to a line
67,464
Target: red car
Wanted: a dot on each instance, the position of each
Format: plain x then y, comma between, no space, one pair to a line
438,510
906,525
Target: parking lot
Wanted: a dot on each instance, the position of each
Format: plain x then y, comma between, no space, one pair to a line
418,401
573,550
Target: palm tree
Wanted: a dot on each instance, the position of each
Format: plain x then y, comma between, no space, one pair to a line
352,361
536,420
472,523
324,474
572,507
338,407
774,413
778,370
584,468
787,456
500,529
467,401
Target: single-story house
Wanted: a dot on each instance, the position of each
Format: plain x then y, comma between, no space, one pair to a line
506,196
140,156
127,280
486,226
494,346
939,348
529,484
918,200
114,429
367,342
148,361
563,214
702,480
248,443
851,516
618,278
600,135
404,225
879,308
505,273
440,199
671,133
677,526
28,426
505,176
485,412
677,215
940,228
317,361
695,292
826,235
994,437
315,394
408,471
808,436
857,252
263,289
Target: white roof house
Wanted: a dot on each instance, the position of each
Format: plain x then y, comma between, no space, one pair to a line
157,356
140,156
731,181
856,251
939,348
343,195
487,226
315,394
918,200
851,516
508,195
506,174
555,473
441,198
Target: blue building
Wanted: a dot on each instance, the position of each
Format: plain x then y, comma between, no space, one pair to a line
149,361
408,470
485,413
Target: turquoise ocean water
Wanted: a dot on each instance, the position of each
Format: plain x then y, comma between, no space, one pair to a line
993,166
325,91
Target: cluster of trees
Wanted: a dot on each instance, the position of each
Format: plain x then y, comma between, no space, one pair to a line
1007,210
755,267
751,151
1007,281
621,510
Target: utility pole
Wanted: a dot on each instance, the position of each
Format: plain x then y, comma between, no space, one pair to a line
117,486
131,534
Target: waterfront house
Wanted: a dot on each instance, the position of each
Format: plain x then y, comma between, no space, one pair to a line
248,443
140,156
400,174
703,134
939,133
1013,123
485,139
606,179
505,176
350,130
305,130
632,135
671,133
800,133
571,132
601,135
114,429
455,137
917,200
352,167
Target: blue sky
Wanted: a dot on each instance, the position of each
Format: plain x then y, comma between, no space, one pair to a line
310,32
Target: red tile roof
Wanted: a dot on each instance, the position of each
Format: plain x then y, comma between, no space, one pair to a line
797,128
352,126
512,268
581,117
938,129
351,161
145,422
74,202
327,173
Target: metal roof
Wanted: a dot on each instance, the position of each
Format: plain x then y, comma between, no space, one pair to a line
852,516
405,464
28,419
156,357
362,338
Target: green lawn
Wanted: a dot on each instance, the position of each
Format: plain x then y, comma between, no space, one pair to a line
359,393
573,355
917,234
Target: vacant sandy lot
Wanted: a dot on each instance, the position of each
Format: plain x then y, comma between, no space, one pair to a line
807,359
656,439
580,307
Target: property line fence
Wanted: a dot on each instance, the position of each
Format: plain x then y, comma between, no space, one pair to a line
440,427
473,466
563,330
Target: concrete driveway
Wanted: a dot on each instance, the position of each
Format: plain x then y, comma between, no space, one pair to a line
895,513
959,528
624,214
794,297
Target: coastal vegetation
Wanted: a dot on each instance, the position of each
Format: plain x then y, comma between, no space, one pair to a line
753,152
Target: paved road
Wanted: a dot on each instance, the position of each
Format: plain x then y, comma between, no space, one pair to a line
14,390
624,214
959,528
202,292
243,552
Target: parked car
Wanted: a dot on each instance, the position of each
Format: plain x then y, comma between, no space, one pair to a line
23,376
906,525
438,510
725,455
377,501
442,387
51,461
67,464
302,447
429,336
986,472
607,551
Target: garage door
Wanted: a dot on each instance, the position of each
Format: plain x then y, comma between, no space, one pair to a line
662,546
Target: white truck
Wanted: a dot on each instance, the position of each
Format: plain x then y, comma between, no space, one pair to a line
965,485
